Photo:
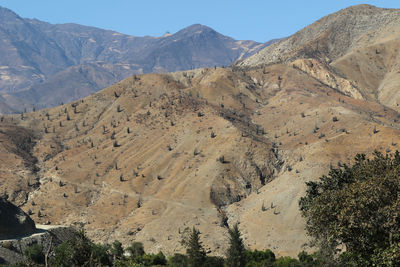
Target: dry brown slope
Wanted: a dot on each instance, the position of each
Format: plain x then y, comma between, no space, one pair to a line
137,161
354,50
316,127
162,175
332,36
18,166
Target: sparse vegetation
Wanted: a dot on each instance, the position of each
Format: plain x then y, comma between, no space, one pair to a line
79,250
222,159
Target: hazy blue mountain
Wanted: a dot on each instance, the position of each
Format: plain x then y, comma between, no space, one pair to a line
43,64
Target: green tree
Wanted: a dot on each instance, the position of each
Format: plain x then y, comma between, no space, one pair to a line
35,254
117,250
213,261
389,257
194,250
100,255
287,262
235,256
158,259
77,251
136,249
356,208
178,260
260,258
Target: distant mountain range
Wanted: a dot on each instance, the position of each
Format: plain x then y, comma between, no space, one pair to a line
42,64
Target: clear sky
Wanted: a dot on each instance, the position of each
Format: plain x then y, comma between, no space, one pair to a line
259,20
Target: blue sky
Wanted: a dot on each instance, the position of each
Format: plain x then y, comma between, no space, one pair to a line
259,20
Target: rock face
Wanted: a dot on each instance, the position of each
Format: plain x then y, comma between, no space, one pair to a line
13,221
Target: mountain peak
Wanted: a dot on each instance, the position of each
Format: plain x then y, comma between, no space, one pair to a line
195,29
6,14
359,9
197,26
332,36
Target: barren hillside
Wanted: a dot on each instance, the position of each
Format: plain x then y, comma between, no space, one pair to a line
354,50
156,153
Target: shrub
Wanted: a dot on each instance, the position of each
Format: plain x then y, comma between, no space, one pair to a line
100,255
259,258
213,261
35,254
178,260
136,249
287,262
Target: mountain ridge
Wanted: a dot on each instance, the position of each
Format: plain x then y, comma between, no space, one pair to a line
33,52
342,21
155,154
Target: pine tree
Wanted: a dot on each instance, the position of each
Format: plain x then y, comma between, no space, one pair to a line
195,251
236,252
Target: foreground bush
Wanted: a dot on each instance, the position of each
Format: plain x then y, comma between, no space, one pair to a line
356,209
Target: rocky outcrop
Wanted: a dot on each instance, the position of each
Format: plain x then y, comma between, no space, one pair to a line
323,73
13,221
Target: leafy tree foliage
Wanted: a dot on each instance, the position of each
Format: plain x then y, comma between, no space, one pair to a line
117,250
357,209
35,254
136,249
178,260
259,258
74,252
213,261
287,262
100,255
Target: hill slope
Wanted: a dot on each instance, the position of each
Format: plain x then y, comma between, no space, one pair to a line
354,50
154,154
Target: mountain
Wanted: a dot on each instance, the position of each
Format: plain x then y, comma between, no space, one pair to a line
36,56
155,154
354,50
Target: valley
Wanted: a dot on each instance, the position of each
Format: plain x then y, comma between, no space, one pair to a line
154,154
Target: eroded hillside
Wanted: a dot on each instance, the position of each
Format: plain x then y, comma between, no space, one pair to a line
354,50
154,154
